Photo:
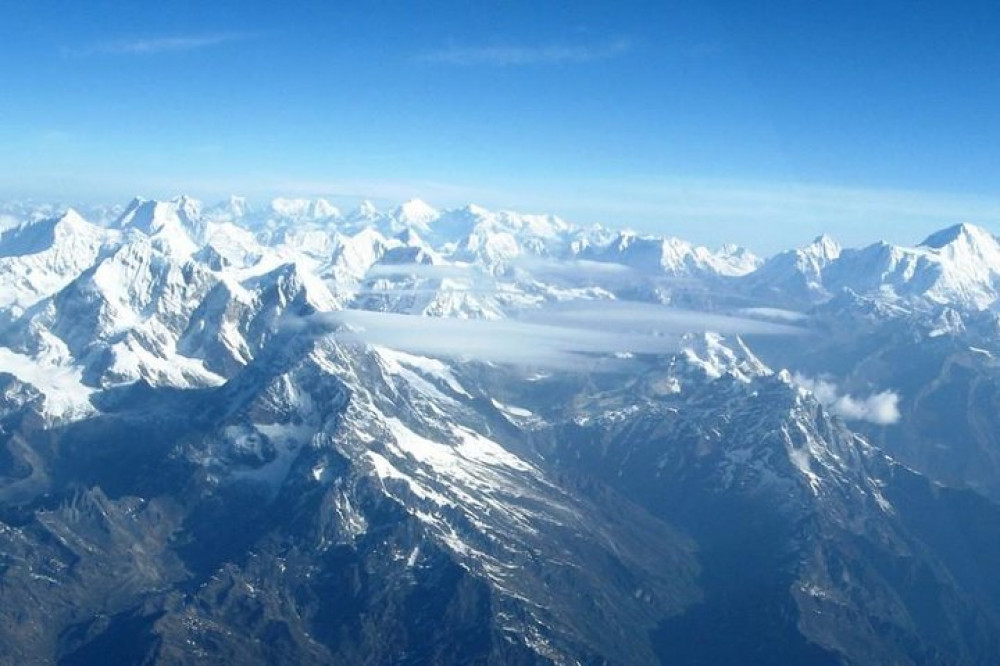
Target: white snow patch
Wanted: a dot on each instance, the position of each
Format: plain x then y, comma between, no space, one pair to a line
65,394
511,410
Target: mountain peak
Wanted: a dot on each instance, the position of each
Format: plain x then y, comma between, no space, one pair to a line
825,247
304,209
365,211
476,210
716,356
415,212
174,225
72,217
321,208
969,233
190,206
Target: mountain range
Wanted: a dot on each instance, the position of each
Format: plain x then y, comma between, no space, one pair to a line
286,434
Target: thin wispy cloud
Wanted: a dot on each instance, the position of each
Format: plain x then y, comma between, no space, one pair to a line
513,55
164,44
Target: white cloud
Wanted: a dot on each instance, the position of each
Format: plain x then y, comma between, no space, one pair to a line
511,55
422,271
653,318
880,408
576,270
558,338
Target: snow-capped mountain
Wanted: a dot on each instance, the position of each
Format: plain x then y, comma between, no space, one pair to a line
672,256
957,266
279,433
39,258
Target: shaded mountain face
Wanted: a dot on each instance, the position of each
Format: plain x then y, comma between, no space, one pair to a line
284,434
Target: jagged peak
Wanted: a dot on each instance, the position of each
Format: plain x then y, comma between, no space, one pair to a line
188,205
824,247
321,208
625,238
365,211
716,356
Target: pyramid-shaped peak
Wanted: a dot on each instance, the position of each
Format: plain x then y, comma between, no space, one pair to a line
415,211
968,233
72,217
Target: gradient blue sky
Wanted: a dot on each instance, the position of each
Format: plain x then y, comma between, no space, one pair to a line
763,123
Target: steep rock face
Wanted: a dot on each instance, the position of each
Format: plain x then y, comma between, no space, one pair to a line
120,318
802,527
941,363
359,483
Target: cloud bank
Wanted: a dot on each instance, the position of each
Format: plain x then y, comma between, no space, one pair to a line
653,318
591,337
879,408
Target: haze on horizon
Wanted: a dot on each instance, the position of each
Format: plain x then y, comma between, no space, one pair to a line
763,124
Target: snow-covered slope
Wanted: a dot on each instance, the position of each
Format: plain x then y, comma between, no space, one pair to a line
38,258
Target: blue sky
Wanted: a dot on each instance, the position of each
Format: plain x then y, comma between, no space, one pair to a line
762,123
